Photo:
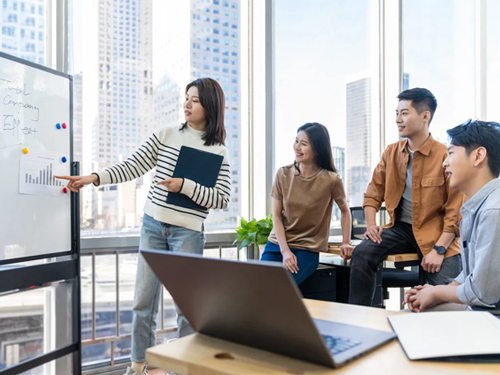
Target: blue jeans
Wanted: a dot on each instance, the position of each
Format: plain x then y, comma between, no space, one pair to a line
368,255
156,235
307,260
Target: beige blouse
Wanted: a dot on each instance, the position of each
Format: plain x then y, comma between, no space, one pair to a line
307,206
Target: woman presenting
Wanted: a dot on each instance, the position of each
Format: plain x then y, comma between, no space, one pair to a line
165,226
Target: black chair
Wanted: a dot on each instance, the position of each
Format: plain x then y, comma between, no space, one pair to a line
396,277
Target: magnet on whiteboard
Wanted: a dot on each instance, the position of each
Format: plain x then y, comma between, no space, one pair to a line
63,159
25,150
64,125
58,126
65,190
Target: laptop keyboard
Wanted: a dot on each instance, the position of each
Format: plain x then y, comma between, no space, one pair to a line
338,345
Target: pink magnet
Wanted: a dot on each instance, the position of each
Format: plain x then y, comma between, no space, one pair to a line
64,125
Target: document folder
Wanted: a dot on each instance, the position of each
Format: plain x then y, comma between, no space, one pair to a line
199,166
461,336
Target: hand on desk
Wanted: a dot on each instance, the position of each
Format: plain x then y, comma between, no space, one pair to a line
421,298
346,251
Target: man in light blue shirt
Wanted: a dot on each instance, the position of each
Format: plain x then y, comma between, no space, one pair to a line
473,166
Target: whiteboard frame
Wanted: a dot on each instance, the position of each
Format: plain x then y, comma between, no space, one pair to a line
74,201
64,265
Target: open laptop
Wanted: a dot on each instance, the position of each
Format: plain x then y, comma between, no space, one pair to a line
257,304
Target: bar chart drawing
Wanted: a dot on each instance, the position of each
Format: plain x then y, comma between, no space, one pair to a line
37,171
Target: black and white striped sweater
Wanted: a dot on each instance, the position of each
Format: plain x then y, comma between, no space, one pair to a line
160,151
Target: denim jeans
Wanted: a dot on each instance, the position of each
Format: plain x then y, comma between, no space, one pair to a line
368,255
156,235
307,260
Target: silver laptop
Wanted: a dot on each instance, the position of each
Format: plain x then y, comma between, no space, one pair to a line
257,304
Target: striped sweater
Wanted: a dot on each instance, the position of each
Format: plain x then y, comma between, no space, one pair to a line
160,151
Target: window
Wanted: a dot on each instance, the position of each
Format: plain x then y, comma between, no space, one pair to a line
337,75
13,26
113,129
155,84
492,60
446,65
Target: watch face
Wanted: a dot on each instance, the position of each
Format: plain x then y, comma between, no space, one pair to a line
441,250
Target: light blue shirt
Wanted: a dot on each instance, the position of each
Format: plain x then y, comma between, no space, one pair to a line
480,237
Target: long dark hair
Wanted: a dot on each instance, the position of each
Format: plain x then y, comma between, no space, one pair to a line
320,143
212,100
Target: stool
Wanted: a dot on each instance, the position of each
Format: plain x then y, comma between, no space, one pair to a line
386,277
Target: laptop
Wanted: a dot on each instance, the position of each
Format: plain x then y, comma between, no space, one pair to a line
257,304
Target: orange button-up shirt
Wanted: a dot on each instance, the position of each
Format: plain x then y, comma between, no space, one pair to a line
435,206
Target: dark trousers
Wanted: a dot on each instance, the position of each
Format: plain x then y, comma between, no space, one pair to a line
368,256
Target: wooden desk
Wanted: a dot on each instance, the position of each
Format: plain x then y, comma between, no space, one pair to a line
197,354
334,248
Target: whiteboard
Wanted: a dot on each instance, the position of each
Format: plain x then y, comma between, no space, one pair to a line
35,212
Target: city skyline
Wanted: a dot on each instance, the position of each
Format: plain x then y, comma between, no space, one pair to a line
156,82
325,70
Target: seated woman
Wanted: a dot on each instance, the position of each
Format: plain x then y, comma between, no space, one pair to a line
303,195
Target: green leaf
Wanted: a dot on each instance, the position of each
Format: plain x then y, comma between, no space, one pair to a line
243,244
253,231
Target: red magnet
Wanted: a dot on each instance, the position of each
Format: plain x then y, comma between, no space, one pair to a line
65,190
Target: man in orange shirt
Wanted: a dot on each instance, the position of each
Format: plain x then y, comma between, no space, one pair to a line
424,211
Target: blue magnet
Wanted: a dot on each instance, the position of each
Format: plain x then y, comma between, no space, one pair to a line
64,159
58,126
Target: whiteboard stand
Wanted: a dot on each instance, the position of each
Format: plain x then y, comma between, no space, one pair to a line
42,225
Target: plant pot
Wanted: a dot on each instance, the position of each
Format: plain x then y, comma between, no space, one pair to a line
261,250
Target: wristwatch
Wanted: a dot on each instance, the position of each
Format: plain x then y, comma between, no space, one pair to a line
441,250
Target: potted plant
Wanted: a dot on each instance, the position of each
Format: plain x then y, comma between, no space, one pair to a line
254,232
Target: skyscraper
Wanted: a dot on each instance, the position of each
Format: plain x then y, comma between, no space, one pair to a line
358,113
215,52
358,149
339,162
77,118
125,97
167,102
23,29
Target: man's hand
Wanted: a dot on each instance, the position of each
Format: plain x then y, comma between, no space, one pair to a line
77,182
422,298
374,233
290,261
408,294
346,251
172,184
432,262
